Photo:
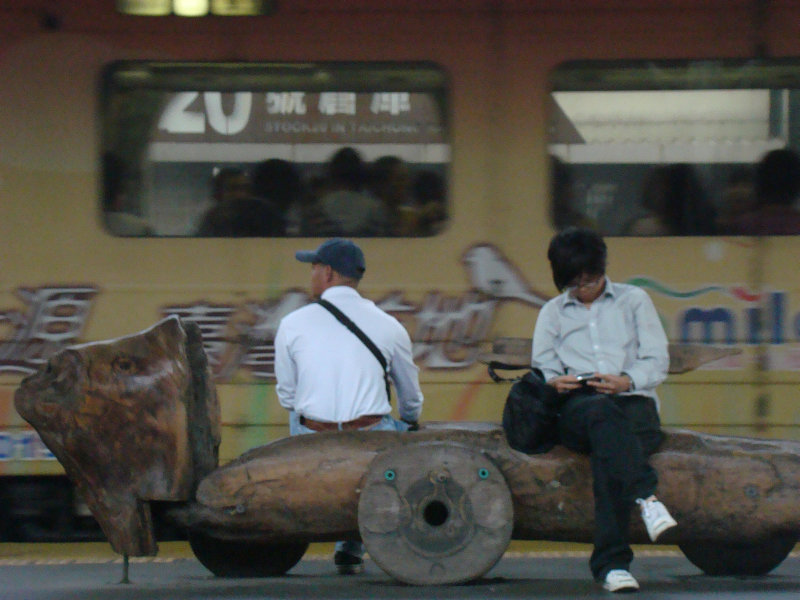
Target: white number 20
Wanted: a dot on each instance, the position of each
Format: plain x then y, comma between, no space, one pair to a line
178,118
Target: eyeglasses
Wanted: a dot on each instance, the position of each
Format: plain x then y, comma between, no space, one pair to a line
585,285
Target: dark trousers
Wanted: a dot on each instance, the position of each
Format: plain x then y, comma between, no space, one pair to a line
618,433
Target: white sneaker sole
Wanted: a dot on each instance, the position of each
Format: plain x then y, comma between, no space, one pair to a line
660,527
624,584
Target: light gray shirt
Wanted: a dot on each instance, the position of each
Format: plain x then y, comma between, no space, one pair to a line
620,332
326,373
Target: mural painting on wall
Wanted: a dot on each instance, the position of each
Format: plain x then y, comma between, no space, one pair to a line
447,331
53,317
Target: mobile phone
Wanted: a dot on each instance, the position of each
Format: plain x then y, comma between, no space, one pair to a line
584,377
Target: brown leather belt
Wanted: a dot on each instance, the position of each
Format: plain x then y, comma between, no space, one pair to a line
359,423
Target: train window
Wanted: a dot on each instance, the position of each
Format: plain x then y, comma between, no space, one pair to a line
649,148
264,150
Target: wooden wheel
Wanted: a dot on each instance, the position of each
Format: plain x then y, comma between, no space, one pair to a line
435,513
235,558
718,558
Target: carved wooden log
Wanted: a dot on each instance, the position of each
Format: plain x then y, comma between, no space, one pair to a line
307,488
130,420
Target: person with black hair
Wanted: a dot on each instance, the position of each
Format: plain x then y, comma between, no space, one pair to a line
676,203
390,182
777,192
345,208
237,212
228,183
429,191
278,183
118,219
602,347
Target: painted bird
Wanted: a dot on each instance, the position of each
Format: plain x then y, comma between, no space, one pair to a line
491,273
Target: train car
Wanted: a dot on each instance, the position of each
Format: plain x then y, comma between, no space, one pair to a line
451,138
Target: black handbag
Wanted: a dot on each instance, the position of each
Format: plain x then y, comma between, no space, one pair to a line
530,414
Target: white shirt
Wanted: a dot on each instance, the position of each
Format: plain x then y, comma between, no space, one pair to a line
326,373
620,332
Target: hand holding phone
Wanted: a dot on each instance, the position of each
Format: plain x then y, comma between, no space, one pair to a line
584,378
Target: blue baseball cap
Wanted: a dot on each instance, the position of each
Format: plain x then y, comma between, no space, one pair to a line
343,256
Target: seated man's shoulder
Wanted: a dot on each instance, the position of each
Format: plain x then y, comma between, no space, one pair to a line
632,293
300,315
378,314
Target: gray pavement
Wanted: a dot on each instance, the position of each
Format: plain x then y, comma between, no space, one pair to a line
517,575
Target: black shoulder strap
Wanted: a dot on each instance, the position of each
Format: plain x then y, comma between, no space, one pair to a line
345,320
496,365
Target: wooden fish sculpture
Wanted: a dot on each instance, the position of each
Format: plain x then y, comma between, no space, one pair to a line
131,420
736,500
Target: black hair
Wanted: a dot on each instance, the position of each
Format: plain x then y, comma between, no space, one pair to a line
114,174
277,181
575,251
675,194
428,186
347,167
220,179
778,178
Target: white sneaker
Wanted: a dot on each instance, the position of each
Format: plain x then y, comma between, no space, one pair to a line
656,517
619,580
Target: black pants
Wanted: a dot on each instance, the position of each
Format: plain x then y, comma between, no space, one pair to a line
618,433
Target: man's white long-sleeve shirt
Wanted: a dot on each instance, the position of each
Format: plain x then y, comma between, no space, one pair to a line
620,332
326,373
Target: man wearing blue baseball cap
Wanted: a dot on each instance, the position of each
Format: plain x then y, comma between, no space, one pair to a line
334,359
342,256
